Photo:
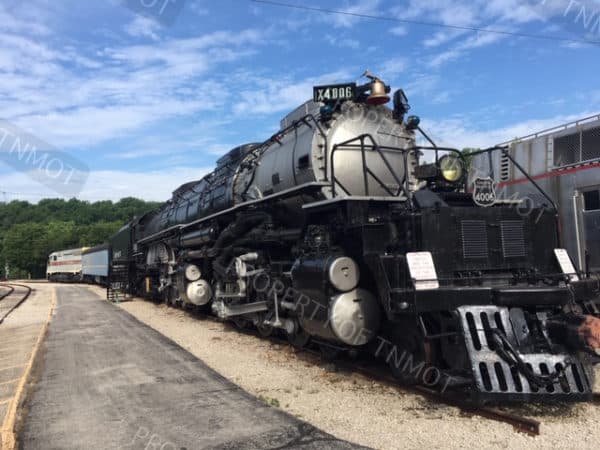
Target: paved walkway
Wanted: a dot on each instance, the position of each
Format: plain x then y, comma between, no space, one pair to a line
109,381
20,335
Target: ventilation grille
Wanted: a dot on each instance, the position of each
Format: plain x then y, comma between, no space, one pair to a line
577,147
504,168
590,144
513,238
567,149
474,239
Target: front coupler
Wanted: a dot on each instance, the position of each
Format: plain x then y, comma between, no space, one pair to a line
513,359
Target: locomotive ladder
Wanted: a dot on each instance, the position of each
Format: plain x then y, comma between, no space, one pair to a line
118,279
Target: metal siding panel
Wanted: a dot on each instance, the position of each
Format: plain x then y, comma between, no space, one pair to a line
591,224
95,264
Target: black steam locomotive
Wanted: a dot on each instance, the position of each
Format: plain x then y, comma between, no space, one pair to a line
342,232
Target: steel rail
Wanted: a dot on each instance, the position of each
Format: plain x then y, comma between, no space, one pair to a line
19,302
519,423
6,294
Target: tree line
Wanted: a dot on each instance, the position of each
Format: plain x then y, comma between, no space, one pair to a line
30,232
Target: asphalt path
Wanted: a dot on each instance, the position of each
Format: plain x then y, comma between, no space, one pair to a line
106,380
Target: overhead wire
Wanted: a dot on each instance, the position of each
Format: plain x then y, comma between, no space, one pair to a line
425,23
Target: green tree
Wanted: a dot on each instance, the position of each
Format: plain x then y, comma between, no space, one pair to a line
467,154
25,248
30,232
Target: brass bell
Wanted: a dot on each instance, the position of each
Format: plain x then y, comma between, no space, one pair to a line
378,94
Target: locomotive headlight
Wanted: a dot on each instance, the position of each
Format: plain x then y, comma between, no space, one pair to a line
451,168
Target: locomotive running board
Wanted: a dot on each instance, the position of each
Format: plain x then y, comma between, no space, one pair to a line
495,379
291,191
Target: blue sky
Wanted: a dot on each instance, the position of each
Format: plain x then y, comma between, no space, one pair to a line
149,105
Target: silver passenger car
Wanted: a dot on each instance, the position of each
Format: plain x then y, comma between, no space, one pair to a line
565,162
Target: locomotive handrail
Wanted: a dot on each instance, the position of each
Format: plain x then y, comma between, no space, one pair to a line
404,183
346,145
437,149
505,152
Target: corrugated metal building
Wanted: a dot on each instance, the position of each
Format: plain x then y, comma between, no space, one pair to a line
565,162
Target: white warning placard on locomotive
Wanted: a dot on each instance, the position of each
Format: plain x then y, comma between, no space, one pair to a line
566,264
422,270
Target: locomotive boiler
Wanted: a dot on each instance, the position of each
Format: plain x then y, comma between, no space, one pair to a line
343,231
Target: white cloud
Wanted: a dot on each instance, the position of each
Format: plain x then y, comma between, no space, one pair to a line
282,94
110,184
13,23
422,84
392,68
198,7
442,37
460,133
359,7
142,26
460,49
342,42
497,15
354,9
399,30
74,97
516,11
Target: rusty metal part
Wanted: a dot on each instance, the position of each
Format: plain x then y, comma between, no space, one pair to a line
589,332
519,423
576,331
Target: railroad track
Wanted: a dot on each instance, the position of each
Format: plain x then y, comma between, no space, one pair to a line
9,290
9,301
378,373
520,423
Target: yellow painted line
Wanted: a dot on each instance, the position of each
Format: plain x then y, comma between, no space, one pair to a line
9,381
8,426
